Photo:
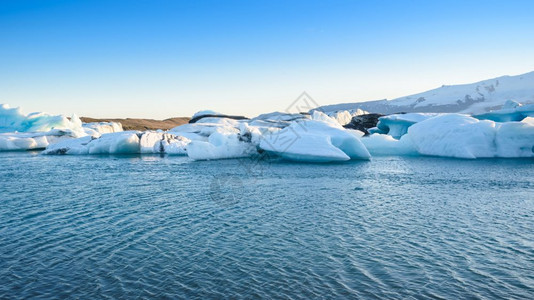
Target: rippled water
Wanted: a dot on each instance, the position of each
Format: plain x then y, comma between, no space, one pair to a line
156,227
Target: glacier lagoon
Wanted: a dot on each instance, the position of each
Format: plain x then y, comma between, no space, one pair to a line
166,226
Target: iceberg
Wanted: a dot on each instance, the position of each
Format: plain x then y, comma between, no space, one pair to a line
163,143
515,139
461,136
220,145
385,145
454,135
344,117
99,128
397,125
14,142
510,112
213,114
13,120
277,119
125,142
108,143
321,139
215,138
19,131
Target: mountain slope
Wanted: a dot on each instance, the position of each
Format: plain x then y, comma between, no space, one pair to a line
476,97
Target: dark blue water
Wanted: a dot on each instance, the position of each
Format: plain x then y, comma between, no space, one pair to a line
166,227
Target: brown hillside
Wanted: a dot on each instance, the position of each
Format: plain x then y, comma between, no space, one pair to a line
142,124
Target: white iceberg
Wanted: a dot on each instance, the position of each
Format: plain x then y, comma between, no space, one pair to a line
160,142
319,140
343,117
383,144
397,125
461,136
515,139
510,112
19,131
220,145
109,143
13,120
126,142
99,128
454,135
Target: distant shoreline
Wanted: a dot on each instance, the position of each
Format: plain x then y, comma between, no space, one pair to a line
142,124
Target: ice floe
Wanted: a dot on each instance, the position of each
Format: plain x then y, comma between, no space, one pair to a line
397,125
383,144
125,142
459,136
19,131
13,120
511,111
321,139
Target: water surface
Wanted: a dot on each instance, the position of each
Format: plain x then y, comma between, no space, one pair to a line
167,227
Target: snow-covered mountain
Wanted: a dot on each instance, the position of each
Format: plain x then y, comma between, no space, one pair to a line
471,98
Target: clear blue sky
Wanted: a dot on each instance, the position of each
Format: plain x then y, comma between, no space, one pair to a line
161,59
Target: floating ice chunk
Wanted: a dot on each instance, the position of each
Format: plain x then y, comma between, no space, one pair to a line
110,143
316,141
220,145
515,139
115,143
207,126
14,142
208,114
215,138
454,135
461,136
320,116
383,144
72,146
204,113
309,148
13,120
99,128
511,111
150,142
276,120
126,142
280,116
176,145
160,142
35,130
397,125
19,141
344,117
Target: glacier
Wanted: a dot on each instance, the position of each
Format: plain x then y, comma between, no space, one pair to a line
473,98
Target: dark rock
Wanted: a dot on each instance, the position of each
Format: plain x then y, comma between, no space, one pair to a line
363,122
196,119
245,137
